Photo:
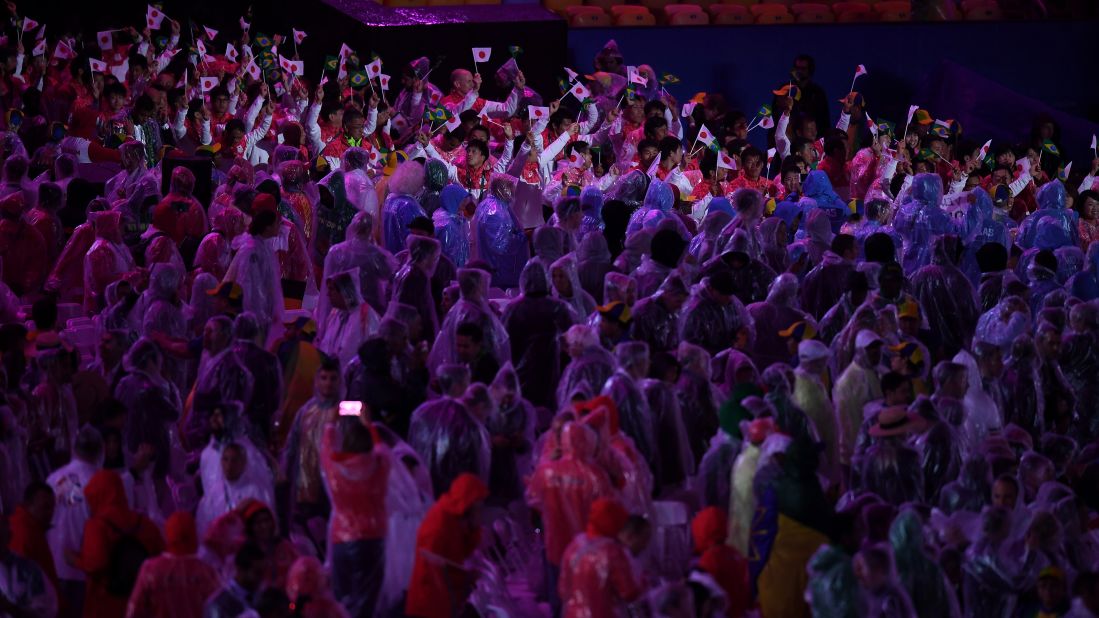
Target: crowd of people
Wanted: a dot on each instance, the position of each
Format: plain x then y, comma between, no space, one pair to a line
314,349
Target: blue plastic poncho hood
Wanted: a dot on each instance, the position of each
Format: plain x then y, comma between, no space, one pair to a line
452,197
591,201
1050,234
720,204
659,197
1051,195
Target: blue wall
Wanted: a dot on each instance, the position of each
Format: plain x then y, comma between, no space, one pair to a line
1030,67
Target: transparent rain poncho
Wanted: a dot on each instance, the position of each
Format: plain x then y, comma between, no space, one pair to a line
919,219
436,176
332,215
630,189
636,247
971,491
705,244
1085,284
659,206
1051,203
992,580
511,428
711,324
775,315
982,413
981,227
593,366
1080,364
256,269
222,377
401,206
941,449
449,441
567,270
1070,260
892,471
591,205
361,193
534,322
653,323
777,381
1003,323
472,307
946,296
548,243
451,226
833,589
342,331
152,402
817,193
376,265
772,249
698,398
1025,403
499,236
593,262
675,459
634,414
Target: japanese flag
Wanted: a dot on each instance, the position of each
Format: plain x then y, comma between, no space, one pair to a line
245,26
860,70
207,83
29,24
345,51
724,161
384,81
572,74
374,69
105,39
481,54
688,109
538,113
767,122
231,52
342,73
983,152
253,70
39,48
153,17
705,136
210,32
201,47
637,78
284,63
296,67
453,123
770,156
299,36
182,83
1093,142
98,66
870,124
41,34
279,89
374,156
580,91
1067,170
324,80
63,51
400,123
437,96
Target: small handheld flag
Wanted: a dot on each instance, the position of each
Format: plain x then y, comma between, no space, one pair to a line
383,80
637,78
767,122
983,152
724,161
453,123
871,125
770,156
231,52
98,66
1065,172
105,39
481,54
207,83
345,51
688,109
210,32
668,78
253,69
912,112
572,74
245,26
63,52
704,135
580,91
331,63
1050,147
39,48
1093,145
374,69
536,112
299,36
153,17
859,70
359,79
29,24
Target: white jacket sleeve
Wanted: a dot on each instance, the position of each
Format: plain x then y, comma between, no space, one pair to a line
371,121
589,125
507,108
312,129
782,141
554,149
1087,184
504,161
843,122
179,127
257,133
958,185
252,112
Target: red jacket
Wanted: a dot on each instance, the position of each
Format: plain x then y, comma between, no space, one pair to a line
439,585
728,568
176,583
28,539
357,483
106,500
24,255
597,573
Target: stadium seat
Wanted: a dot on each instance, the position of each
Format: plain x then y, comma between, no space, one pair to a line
744,3
726,14
775,17
689,18
559,6
817,14
633,17
705,4
843,7
984,13
656,6
603,4
590,20
847,17
767,7
893,10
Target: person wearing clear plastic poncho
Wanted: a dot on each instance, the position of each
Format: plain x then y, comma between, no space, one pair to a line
991,582
634,249
301,457
591,205
332,215
675,458
106,261
349,322
751,277
436,176
566,286
1000,325
698,398
163,314
534,322
822,286
498,235
817,194
981,227
472,307
920,574
1051,203
255,268
982,411
376,265
655,319
222,376
401,206
777,380
658,206
707,242
153,404
590,363
714,318
360,190
450,440
883,592
742,504
451,224
666,251
891,468
624,387
858,385
1085,284
511,432
593,262
232,469
1080,364
946,296
811,388
1025,403
412,283
772,316
262,408
919,219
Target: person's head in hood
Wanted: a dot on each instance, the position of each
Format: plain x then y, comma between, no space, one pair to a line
362,227
424,252
667,248
578,441
606,518
709,528
180,534
307,581
673,292
505,389
633,357
435,175
453,197
534,279
591,202
549,243
464,498
659,197
819,227
1050,234
502,187
105,494
407,179
343,290
569,214
927,189
619,288
1052,195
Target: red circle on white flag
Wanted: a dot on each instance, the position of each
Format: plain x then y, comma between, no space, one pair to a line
481,55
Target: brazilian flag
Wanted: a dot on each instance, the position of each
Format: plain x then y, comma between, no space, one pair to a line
1051,148
331,63
764,110
668,78
359,79
264,41
563,85
515,50
884,126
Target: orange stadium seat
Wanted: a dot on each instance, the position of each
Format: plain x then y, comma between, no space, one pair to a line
656,6
673,9
559,6
604,4
893,10
744,3
635,16
590,20
775,18
843,7
768,7
984,13
689,18
850,16
813,14
729,14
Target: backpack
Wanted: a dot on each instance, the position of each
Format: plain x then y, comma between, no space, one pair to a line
127,556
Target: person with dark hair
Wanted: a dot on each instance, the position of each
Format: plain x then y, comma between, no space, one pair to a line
255,268
357,474
29,524
823,286
301,458
239,595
